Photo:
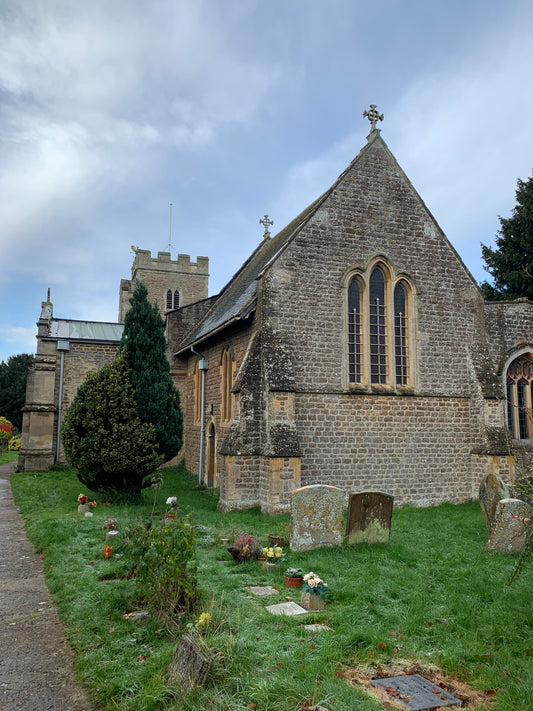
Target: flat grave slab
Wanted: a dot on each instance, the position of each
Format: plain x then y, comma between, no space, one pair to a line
262,590
317,628
286,608
416,692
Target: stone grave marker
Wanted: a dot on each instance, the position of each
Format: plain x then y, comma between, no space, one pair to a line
509,531
416,692
262,590
190,665
491,490
286,608
369,518
316,517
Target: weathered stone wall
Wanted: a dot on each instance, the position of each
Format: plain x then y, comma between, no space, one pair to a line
237,341
79,361
418,449
509,329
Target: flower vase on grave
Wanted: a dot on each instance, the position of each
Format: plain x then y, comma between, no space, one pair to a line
293,582
270,566
83,508
111,536
312,602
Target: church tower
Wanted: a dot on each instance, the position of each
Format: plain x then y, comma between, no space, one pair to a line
170,283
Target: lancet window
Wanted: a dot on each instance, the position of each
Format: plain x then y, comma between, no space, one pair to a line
520,397
379,308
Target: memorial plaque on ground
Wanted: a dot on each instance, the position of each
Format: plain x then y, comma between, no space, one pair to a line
286,608
369,518
316,517
511,525
492,490
416,692
262,590
190,665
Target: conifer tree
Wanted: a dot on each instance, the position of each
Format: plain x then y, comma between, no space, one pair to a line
13,377
103,435
511,263
143,340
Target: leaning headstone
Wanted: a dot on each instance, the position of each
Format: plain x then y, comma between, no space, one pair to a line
511,525
190,665
316,517
369,518
491,490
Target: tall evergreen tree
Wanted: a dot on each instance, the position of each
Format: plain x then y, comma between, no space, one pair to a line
13,377
157,398
103,435
511,263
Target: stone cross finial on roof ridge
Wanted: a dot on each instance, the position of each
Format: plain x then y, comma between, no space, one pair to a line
373,116
266,222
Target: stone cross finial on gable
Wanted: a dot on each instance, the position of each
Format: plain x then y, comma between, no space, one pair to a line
373,116
266,222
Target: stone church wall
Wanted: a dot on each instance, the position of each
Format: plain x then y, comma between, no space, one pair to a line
417,449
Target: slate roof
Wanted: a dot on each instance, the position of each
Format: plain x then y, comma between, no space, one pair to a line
96,331
238,298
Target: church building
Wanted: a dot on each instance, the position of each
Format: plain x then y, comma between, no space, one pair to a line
353,348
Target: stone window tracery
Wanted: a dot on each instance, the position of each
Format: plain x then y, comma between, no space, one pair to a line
378,328
226,371
520,397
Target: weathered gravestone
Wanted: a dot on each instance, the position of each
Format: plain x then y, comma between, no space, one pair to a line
316,517
491,490
511,525
190,665
369,518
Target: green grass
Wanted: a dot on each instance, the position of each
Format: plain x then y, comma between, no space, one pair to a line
432,596
6,457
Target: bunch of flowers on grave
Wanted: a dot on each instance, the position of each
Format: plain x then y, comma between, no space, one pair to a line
273,554
172,506
111,524
245,548
108,551
82,499
293,573
314,585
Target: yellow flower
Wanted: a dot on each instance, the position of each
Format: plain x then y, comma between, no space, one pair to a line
204,620
279,552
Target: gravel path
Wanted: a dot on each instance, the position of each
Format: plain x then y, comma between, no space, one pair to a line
36,669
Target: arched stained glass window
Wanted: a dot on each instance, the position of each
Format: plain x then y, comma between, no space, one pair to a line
378,330
400,333
379,327
520,397
354,332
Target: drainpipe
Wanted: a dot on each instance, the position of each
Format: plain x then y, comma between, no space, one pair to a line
203,365
61,346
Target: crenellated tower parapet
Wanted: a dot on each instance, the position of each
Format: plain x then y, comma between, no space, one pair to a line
170,282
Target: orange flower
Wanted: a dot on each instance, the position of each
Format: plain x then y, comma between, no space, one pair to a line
107,551
92,503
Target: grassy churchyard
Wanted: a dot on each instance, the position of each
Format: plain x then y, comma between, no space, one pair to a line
432,600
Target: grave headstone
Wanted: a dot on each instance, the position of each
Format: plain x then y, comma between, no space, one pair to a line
369,518
509,530
491,490
190,664
316,517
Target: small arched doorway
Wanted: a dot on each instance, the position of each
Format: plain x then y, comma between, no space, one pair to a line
211,458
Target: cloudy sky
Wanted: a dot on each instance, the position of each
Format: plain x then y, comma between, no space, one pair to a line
230,109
